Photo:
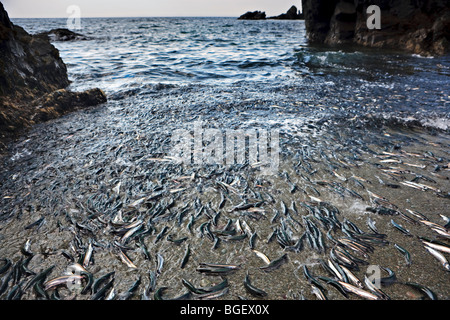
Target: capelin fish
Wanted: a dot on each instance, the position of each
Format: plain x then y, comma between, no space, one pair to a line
6,266
89,277
5,282
356,245
185,259
437,245
439,256
340,258
88,255
275,264
335,284
354,279
192,288
343,251
358,291
311,279
161,234
101,293
217,269
262,256
418,215
376,291
96,285
62,280
24,267
37,223
211,295
16,292
39,277
447,221
405,253
132,290
137,203
26,249
238,237
124,258
433,225
246,206
318,292
325,266
247,228
390,279
443,233
252,289
337,271
252,240
111,295
130,232
400,228
430,294
160,263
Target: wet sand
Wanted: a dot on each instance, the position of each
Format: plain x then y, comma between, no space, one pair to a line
68,171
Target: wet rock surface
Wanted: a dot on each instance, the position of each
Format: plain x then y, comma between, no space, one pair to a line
30,67
61,102
421,27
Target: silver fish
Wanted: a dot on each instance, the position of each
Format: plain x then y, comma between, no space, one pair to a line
440,257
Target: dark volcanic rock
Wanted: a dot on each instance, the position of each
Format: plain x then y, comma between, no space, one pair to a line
62,35
291,14
419,26
30,68
255,15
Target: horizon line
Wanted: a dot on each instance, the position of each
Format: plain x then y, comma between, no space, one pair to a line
96,17
125,17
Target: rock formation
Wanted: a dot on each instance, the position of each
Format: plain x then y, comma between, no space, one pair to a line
30,68
291,14
62,35
417,26
255,15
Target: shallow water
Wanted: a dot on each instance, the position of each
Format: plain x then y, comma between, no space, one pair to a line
80,171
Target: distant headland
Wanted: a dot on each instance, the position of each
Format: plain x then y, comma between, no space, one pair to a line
292,14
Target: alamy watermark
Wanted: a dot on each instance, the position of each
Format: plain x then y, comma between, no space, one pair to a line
374,20
374,275
259,148
74,19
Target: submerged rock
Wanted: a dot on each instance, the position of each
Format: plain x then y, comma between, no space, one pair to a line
421,27
255,15
62,35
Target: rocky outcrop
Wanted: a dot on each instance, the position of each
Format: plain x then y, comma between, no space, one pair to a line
255,15
62,35
291,14
417,26
61,102
31,68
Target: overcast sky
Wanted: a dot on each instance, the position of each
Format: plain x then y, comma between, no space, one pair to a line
144,8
